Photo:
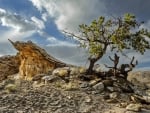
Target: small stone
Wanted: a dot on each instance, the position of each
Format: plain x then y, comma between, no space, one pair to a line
74,71
140,99
134,107
37,84
38,77
62,72
122,105
108,83
114,95
112,101
11,87
94,82
125,97
147,99
49,78
84,85
99,87
8,81
88,99
148,92
1,86
105,97
111,89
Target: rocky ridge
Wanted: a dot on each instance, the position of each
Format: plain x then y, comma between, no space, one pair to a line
65,88
34,60
9,65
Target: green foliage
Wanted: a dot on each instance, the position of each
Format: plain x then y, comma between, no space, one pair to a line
118,33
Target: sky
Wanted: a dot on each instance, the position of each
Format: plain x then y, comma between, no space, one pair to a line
42,21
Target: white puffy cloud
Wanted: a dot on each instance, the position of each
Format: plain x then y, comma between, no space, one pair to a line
17,26
68,14
15,21
55,42
15,35
38,22
44,16
2,11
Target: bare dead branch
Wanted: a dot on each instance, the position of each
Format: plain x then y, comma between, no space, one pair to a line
123,69
111,59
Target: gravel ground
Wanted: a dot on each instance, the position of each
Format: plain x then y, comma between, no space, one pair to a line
48,99
26,97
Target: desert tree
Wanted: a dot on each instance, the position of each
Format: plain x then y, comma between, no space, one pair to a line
117,34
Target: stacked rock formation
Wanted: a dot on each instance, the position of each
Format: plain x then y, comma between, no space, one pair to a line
34,60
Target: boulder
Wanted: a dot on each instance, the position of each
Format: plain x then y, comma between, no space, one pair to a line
148,92
94,82
107,83
99,87
11,88
140,78
140,99
84,85
34,60
114,95
38,77
62,72
74,71
134,107
49,78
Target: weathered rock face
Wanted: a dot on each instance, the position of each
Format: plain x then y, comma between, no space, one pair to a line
140,78
34,60
9,65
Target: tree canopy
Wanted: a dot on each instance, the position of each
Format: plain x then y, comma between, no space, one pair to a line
119,34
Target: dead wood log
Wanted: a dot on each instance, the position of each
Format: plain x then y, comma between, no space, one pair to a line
123,69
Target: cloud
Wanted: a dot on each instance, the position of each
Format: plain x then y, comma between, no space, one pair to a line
15,35
17,26
146,25
53,41
68,14
6,49
68,54
44,16
38,22
15,21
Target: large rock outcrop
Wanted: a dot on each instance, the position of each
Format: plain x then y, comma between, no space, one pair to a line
34,60
9,65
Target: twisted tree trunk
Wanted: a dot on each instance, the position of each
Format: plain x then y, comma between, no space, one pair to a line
94,60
